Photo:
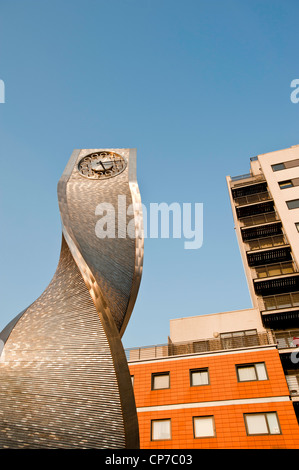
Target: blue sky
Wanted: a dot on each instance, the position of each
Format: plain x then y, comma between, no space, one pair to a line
198,87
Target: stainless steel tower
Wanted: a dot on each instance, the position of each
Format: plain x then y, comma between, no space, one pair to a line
64,379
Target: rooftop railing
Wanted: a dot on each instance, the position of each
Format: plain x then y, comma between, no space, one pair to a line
200,346
246,176
241,177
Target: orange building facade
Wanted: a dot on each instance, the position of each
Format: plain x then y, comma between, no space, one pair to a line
227,399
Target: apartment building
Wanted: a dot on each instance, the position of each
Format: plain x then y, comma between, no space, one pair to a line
265,205
217,384
231,379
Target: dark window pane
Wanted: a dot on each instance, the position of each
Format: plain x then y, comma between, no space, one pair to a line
285,184
294,204
278,166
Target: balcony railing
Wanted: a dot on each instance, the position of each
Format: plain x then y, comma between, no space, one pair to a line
267,242
252,198
286,339
276,269
241,177
275,302
192,347
247,176
258,219
293,384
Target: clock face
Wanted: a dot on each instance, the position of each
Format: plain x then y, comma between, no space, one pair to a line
101,165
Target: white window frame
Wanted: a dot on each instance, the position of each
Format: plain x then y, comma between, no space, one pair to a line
202,370
197,419
268,417
153,431
257,372
157,375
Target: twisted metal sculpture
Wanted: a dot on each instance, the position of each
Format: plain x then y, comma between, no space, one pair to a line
64,378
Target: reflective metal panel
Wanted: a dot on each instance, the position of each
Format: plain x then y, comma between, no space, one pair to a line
64,378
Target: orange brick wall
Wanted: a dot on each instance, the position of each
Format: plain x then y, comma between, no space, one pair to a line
229,420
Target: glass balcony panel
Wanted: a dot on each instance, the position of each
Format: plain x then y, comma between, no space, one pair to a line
241,200
274,270
259,219
254,245
278,240
261,272
270,303
271,217
287,268
283,301
266,243
246,221
295,299
252,198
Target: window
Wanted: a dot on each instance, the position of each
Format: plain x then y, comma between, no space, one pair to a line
286,184
285,165
249,372
132,380
297,226
160,429
294,204
160,381
262,423
278,167
204,426
199,377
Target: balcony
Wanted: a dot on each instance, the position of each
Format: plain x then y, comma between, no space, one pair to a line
281,301
274,286
293,384
255,209
259,219
248,189
276,269
261,231
234,340
252,199
285,339
267,257
266,242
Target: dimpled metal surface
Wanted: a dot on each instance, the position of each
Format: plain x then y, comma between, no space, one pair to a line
64,378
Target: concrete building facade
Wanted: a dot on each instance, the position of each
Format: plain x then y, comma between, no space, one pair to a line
265,205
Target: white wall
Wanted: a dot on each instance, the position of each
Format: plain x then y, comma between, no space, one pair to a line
288,217
205,326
